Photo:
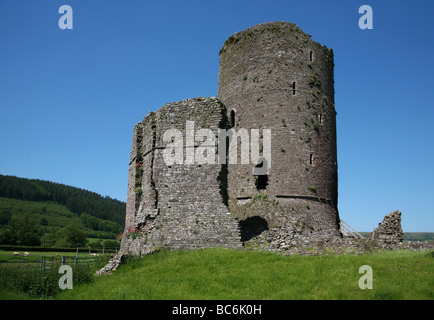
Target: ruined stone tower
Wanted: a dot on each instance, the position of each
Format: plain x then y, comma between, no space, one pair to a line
177,205
272,77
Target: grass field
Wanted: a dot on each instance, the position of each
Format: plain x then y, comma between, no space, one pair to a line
35,256
232,274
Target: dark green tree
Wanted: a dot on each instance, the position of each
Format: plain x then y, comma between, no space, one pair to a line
25,230
43,221
71,237
7,236
5,217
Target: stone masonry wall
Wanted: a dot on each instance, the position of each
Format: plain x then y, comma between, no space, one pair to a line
179,205
273,76
389,231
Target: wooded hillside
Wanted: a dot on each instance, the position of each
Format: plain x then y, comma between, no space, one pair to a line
36,212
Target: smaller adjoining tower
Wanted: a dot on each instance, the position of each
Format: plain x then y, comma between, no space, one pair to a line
273,76
177,205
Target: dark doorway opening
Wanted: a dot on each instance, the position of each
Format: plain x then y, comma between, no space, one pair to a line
252,227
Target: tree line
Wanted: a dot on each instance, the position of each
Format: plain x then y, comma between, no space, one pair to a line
42,213
76,200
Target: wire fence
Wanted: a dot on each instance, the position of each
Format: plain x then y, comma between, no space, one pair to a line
81,256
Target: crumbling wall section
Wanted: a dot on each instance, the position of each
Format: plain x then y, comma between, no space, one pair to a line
389,232
180,204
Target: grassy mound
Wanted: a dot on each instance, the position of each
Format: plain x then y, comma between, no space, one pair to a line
235,274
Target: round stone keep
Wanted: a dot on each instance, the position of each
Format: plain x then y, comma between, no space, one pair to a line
273,76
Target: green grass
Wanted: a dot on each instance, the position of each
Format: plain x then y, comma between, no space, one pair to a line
36,284
36,255
6,294
9,254
232,274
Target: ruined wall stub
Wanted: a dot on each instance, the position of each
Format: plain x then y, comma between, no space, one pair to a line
389,231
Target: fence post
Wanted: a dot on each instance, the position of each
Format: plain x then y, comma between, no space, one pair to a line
21,266
40,263
103,251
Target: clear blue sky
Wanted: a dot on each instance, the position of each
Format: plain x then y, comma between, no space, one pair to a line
69,99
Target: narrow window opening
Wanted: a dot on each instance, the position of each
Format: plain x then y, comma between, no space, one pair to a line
320,119
311,159
293,88
232,118
261,176
310,55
